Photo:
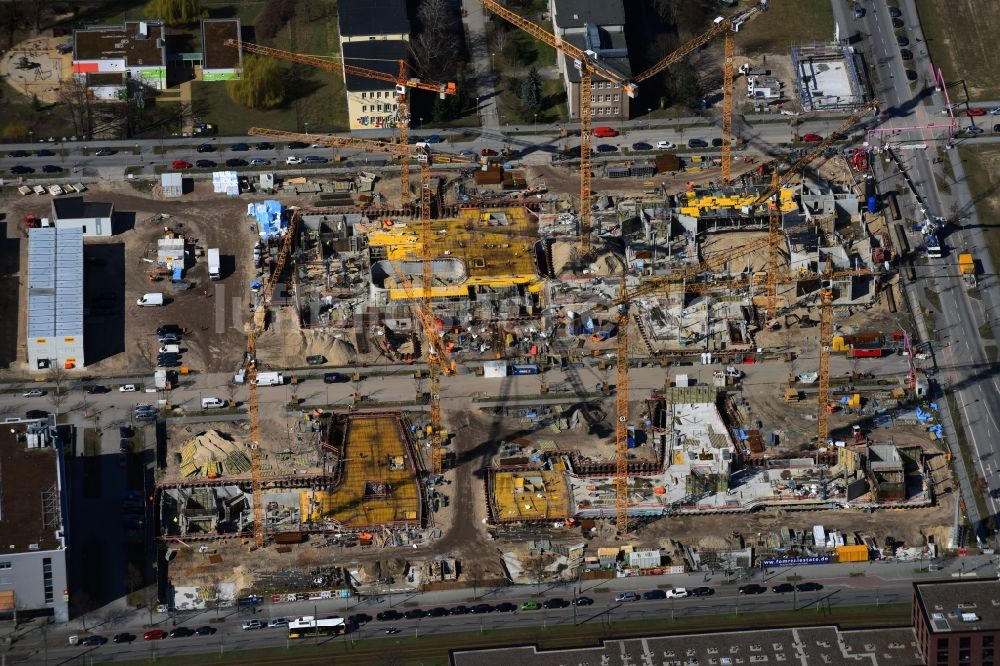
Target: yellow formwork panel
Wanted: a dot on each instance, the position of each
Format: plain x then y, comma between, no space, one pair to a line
695,203
373,453
535,495
495,245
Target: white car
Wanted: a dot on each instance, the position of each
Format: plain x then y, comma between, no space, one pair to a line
677,593
278,622
665,145
292,159
127,388
33,393
995,110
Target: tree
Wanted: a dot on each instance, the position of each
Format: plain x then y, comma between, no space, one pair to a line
261,84
58,377
73,95
15,130
435,48
531,91
684,84
175,12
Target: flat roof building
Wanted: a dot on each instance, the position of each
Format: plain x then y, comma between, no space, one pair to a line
91,217
373,20
135,50
957,622
55,298
33,517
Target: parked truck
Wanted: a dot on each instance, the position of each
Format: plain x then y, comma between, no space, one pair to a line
213,263
270,379
967,268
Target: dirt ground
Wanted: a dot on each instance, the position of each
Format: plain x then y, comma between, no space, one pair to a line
215,319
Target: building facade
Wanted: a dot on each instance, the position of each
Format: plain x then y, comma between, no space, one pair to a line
33,518
597,26
105,58
55,299
957,622
374,35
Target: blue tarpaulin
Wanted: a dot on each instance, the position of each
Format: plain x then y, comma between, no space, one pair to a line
178,274
270,221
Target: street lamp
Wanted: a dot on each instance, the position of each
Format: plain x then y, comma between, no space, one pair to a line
421,123
307,127
536,124
493,61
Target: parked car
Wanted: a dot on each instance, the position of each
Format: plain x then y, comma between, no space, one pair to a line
51,168
717,142
677,593
183,632
124,637
530,605
811,138
125,432
488,152
808,587
235,162
996,128
104,152
180,164
583,601
626,596
459,610
641,146
654,594
607,148
20,169
239,147
297,145
283,621
204,164
975,112
665,145
505,607
555,603
93,640
902,40
697,143
388,615
206,148
250,625
911,75
293,159
335,378
97,389
357,618
17,153
702,592
605,132
433,138
782,588
906,54
36,414
897,23
260,161
468,154
264,145
439,611
415,614
163,329
315,359
479,609
315,159
895,12
752,588
33,393
154,635
127,388
204,630
44,152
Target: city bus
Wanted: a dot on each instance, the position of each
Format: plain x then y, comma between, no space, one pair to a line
308,626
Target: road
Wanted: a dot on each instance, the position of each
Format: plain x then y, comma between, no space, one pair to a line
843,585
967,373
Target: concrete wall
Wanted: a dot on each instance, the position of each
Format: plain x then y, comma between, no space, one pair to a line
26,577
92,226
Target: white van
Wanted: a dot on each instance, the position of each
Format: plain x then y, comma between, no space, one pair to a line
170,349
150,300
212,403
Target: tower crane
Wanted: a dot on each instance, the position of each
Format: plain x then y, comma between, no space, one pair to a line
588,65
335,64
438,360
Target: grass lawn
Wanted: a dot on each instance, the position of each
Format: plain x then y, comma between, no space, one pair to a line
982,168
553,105
785,23
433,649
962,48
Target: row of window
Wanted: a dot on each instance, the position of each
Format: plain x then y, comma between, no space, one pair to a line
47,579
375,108
606,98
605,85
604,111
378,94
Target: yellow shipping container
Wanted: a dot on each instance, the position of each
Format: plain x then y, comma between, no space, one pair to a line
852,554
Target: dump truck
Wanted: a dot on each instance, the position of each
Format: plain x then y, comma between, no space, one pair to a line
967,268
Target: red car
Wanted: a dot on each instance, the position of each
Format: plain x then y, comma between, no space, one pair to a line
154,635
811,138
976,112
486,152
605,132
180,164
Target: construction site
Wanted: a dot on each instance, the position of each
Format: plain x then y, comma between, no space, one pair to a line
586,367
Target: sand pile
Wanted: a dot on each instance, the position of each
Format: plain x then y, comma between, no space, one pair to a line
283,344
565,257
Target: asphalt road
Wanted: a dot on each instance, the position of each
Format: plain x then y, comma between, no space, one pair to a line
966,370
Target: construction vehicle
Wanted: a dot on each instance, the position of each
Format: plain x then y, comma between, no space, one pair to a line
967,268
402,81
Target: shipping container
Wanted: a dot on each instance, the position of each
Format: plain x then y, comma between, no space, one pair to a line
852,553
213,263
866,352
524,369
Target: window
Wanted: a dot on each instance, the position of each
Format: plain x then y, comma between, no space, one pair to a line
942,644
6,565
617,98
593,98
364,109
6,580
987,640
363,95
965,642
47,579
85,228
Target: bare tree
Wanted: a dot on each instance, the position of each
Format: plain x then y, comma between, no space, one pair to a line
58,377
73,95
475,572
435,47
